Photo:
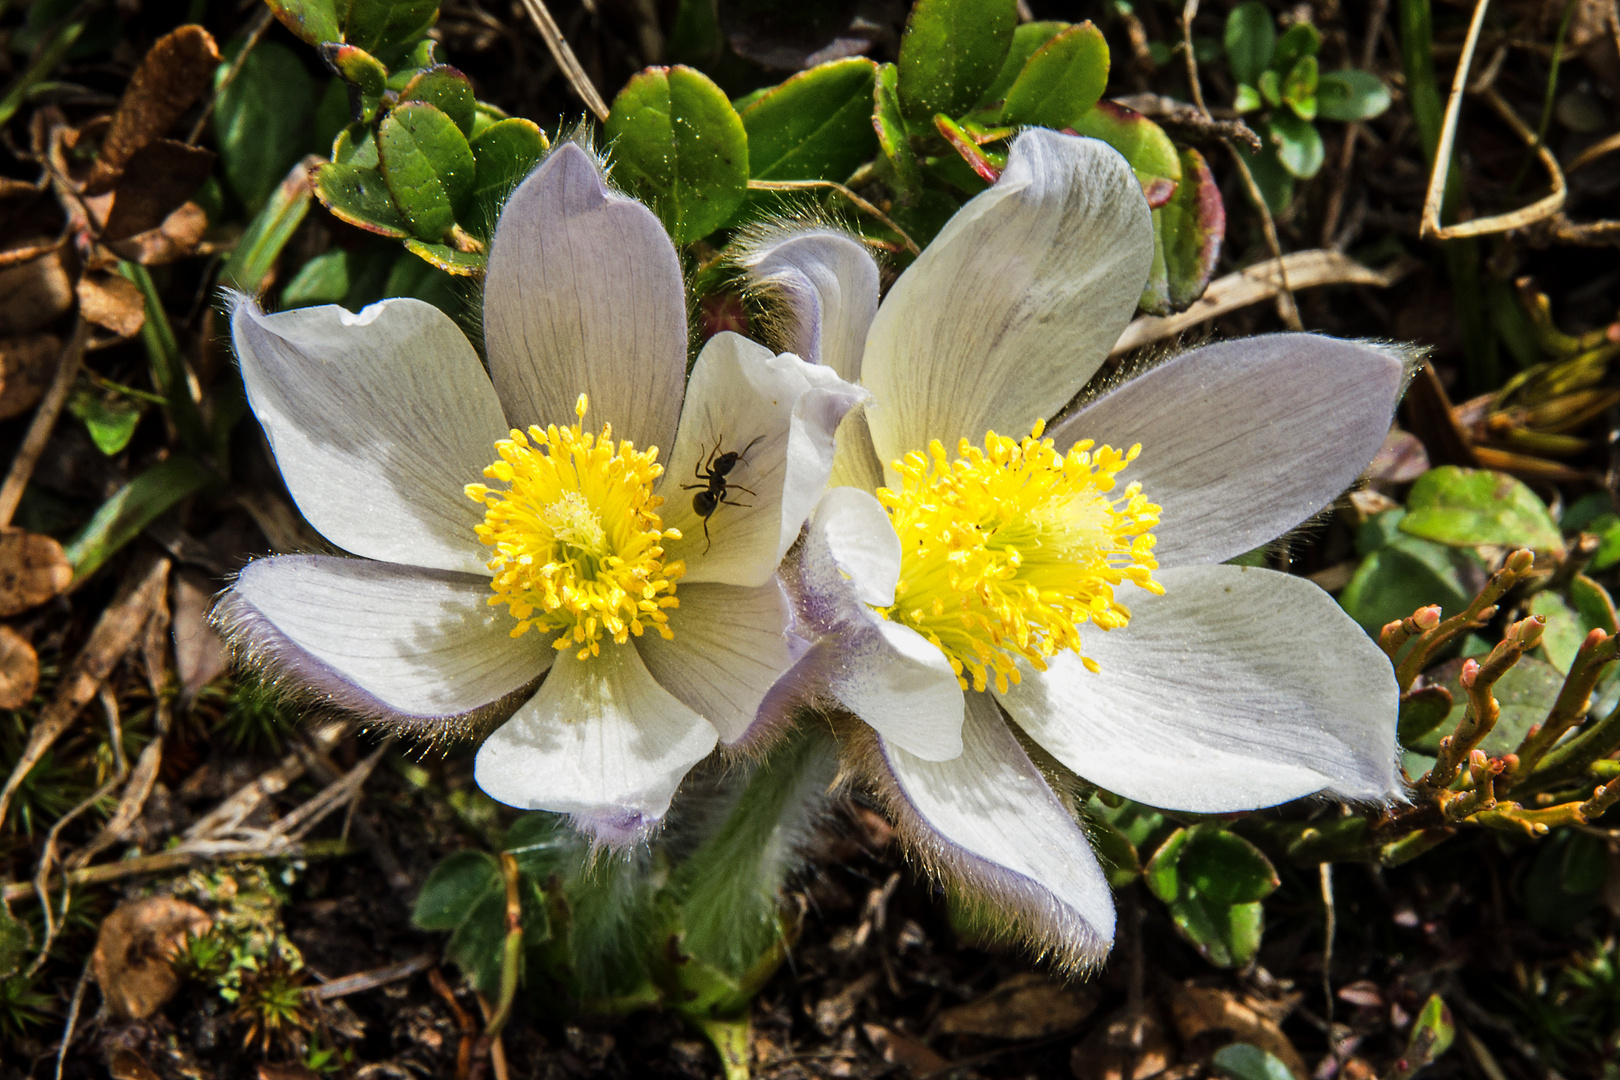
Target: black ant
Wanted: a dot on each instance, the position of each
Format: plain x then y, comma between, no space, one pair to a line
714,486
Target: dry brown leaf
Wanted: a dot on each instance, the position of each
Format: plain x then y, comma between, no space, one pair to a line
156,182
132,960
285,1072
1115,1052
32,570
26,367
19,669
1027,1006
1196,1010
176,238
175,73
200,655
112,301
26,249
34,293
898,1048
127,1065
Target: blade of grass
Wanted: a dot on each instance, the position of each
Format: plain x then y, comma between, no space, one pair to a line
169,372
131,509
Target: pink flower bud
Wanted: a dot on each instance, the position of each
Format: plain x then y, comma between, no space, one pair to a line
1427,618
1520,561
1470,672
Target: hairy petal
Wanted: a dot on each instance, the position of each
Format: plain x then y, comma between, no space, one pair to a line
824,287
779,413
1239,688
1015,304
377,422
600,740
421,648
731,646
988,823
584,295
1243,440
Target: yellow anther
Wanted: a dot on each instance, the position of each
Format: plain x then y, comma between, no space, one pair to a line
577,537
1009,549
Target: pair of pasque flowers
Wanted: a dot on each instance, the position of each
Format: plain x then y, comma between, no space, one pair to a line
1001,597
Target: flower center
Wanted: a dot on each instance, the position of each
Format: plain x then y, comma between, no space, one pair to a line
577,537
1007,550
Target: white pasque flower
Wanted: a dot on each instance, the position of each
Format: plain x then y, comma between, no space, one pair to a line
1215,688
664,631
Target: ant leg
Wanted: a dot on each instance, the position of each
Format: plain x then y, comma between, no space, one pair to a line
706,540
739,487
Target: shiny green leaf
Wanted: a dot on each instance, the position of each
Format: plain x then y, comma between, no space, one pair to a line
950,53
1243,1061
892,136
1061,81
109,418
454,886
1250,40
678,145
1297,42
506,151
1454,505
359,195
386,27
1351,95
428,167
447,90
262,120
131,509
1027,37
1299,88
1299,146
315,21
815,126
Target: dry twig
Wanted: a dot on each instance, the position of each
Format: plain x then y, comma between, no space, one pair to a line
560,51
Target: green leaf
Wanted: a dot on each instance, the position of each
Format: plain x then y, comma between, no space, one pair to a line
447,90
1276,183
1212,881
1270,85
1394,581
386,27
1250,40
359,195
1187,235
1351,95
262,120
364,72
428,167
506,152
680,147
1458,506
325,279
1243,1061
315,21
1565,882
816,125
131,509
1525,694
1061,82
1432,1034
1299,147
1143,143
261,244
1298,42
1026,39
1592,604
950,53
1246,99
109,418
450,260
1118,855
460,881
892,137
1564,633
1299,88
1422,711
355,144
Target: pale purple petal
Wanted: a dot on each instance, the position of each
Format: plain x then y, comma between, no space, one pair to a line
1015,304
417,647
731,645
823,288
988,823
1239,688
600,740
377,422
779,413
1243,440
584,295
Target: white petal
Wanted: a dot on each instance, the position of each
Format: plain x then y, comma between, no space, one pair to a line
1017,301
378,421
1239,688
1243,440
383,640
825,285
855,462
988,822
584,295
780,413
601,740
852,545
731,646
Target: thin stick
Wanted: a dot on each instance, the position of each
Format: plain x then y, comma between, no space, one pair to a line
183,857
39,431
260,24
799,185
541,16
1287,310
1516,219
72,1017
370,980
1430,227
1330,924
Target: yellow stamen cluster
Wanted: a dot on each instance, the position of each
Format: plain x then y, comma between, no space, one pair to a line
1009,549
577,537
